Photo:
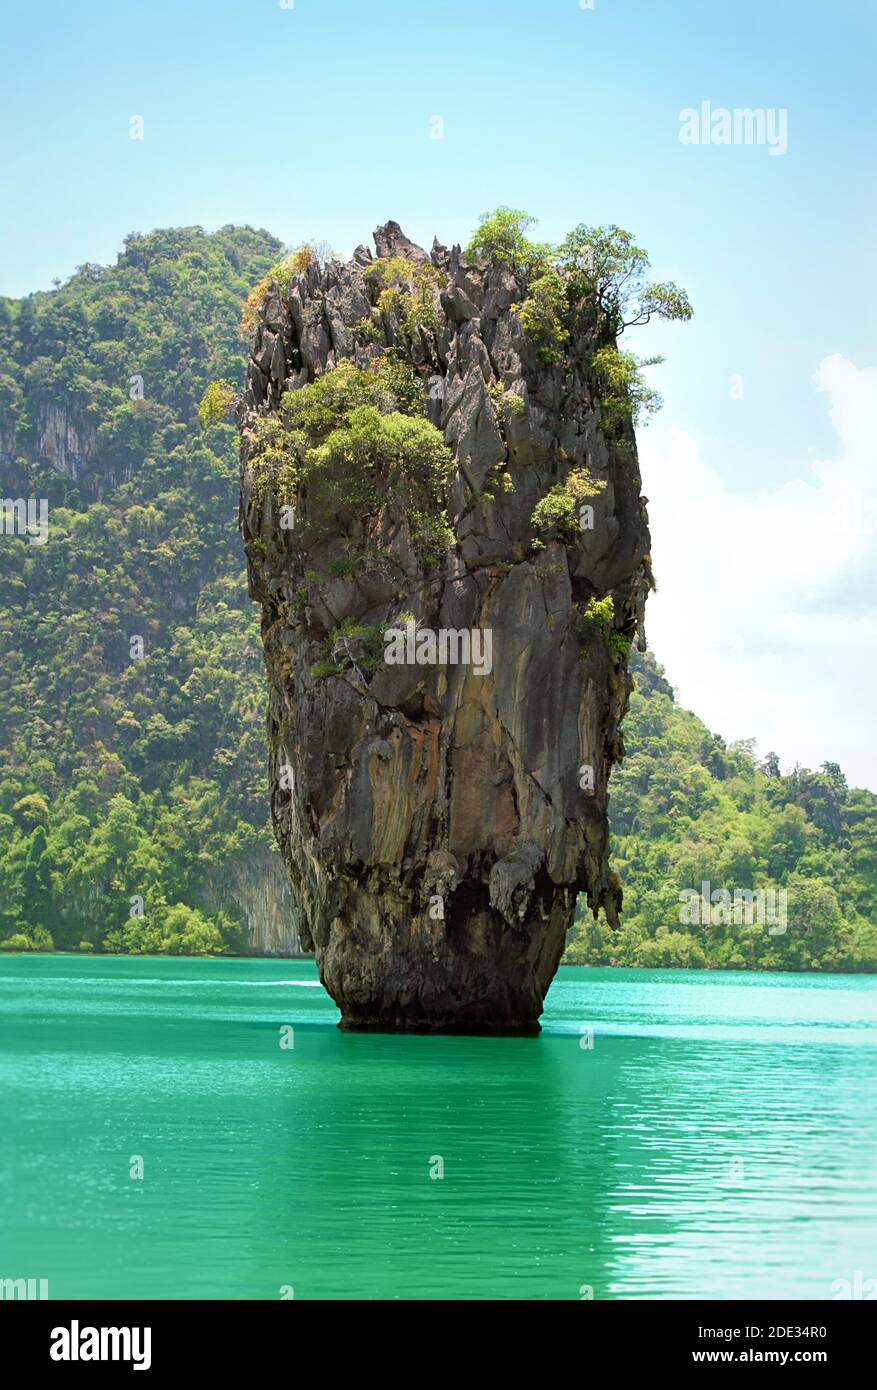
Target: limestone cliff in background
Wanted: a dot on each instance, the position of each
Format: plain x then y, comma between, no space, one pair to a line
438,823
256,883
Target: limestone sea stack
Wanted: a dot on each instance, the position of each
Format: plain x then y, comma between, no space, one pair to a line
444,529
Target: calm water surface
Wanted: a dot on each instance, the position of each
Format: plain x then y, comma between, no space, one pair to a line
718,1139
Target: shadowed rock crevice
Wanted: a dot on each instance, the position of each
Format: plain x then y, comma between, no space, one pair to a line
438,821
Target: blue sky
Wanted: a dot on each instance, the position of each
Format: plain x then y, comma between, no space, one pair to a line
314,121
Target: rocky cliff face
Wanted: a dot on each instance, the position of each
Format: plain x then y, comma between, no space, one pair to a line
438,818
63,440
257,884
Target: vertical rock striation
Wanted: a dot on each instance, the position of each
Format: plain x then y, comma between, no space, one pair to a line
439,821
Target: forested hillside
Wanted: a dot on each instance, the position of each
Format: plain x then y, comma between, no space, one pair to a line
131,692
686,808
133,806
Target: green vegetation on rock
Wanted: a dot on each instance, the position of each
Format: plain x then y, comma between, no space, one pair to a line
623,392
605,263
501,236
542,315
349,439
602,266
596,620
558,509
408,290
295,263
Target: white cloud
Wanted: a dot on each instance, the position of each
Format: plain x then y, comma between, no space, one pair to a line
766,610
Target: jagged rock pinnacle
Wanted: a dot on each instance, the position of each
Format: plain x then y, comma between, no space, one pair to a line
439,817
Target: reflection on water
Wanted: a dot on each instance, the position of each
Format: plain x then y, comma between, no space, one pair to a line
716,1140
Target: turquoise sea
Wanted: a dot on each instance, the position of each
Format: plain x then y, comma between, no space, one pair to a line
671,1134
